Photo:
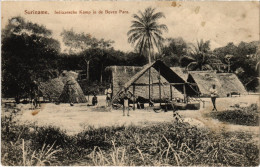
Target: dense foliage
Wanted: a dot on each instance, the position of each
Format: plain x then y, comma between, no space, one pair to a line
240,115
243,61
28,53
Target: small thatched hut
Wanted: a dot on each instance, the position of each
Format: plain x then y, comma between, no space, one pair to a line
63,89
72,92
231,84
52,89
226,83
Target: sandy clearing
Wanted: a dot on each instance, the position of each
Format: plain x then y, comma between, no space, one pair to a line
74,119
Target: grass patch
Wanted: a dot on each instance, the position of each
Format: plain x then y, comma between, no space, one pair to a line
162,144
239,115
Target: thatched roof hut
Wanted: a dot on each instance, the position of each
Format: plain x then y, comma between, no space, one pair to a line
72,92
127,76
226,83
121,74
56,90
231,84
52,88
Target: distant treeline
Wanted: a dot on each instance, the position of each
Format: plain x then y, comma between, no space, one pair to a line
30,53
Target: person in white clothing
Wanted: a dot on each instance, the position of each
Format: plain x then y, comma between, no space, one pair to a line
108,93
126,97
213,95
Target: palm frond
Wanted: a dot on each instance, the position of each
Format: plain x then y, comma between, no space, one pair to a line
192,66
136,24
145,32
135,30
157,16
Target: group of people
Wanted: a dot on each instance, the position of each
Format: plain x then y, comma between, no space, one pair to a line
108,93
126,95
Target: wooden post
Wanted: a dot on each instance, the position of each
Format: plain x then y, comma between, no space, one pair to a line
159,78
149,85
171,91
133,97
184,91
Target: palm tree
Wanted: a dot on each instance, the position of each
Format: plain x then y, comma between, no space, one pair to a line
145,32
200,57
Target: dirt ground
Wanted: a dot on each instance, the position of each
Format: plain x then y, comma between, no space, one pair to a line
74,119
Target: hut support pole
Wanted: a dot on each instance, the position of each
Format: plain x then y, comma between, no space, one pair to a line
159,78
149,86
133,97
171,91
184,91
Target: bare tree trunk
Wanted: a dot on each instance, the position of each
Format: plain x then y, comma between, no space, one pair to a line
88,70
150,61
101,73
149,85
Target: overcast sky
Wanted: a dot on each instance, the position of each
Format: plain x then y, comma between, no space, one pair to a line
220,22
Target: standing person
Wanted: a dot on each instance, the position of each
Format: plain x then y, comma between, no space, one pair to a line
126,97
71,93
34,94
213,95
94,100
108,93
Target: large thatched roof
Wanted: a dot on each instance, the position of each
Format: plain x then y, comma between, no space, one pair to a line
122,74
169,75
126,76
226,83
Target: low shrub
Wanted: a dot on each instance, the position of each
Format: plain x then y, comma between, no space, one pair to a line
239,115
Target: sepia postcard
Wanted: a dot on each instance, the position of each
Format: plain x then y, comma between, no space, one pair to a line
120,83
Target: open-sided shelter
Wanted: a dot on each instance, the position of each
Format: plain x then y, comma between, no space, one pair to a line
156,76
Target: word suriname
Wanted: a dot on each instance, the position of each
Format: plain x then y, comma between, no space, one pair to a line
35,12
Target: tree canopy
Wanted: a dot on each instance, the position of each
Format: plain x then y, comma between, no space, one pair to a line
145,32
28,53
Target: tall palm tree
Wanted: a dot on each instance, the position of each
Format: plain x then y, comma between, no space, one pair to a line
146,32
